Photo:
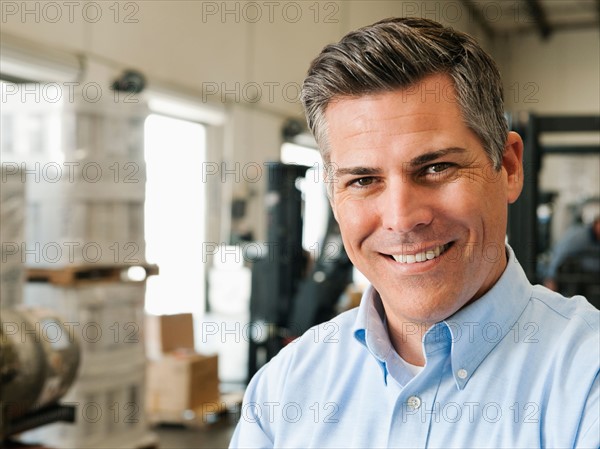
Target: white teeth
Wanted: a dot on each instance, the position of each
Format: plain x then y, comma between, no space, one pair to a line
420,257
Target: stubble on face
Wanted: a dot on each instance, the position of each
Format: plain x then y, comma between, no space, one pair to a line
412,180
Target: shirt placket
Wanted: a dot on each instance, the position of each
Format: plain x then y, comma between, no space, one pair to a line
416,407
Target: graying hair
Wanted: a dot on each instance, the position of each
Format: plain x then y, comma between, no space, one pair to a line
397,53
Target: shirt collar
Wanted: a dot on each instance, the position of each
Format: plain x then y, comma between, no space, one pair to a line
476,329
370,329
472,331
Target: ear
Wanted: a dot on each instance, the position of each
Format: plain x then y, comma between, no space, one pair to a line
512,162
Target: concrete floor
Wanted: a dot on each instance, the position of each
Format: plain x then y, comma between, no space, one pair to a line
215,433
214,436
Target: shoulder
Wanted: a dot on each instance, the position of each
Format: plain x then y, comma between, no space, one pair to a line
570,312
326,339
300,377
566,335
565,360
307,361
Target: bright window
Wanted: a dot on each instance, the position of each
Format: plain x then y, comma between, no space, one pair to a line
316,206
175,210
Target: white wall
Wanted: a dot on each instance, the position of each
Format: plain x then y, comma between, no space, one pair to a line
559,75
252,56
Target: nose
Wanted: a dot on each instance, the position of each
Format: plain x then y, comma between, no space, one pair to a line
405,207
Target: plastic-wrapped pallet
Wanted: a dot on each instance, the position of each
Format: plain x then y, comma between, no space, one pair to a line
64,230
83,165
12,217
69,127
106,317
110,412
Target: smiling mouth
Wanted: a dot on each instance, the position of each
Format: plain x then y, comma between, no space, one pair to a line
422,256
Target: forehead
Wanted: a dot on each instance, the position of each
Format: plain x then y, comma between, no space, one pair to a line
423,117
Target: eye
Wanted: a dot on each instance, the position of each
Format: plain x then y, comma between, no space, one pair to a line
362,182
438,168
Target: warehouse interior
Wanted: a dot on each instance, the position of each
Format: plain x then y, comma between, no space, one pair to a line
165,227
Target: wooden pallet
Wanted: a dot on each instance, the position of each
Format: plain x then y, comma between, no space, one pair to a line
82,274
149,441
200,417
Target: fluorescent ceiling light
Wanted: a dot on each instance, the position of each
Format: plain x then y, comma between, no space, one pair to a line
176,104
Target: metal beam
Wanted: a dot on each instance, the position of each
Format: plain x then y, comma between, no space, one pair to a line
558,27
571,149
539,16
568,123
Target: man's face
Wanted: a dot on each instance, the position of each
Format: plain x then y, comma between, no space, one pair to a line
421,209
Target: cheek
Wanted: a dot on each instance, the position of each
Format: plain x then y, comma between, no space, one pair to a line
460,200
467,203
356,221
480,206
353,223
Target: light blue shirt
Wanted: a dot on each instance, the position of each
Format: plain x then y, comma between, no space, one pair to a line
517,368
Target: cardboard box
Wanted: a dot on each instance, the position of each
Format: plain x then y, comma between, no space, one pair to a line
168,333
184,381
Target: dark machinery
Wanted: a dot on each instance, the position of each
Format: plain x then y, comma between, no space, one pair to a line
277,273
285,299
523,221
573,278
39,358
315,300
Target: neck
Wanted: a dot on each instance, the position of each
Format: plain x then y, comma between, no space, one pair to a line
406,338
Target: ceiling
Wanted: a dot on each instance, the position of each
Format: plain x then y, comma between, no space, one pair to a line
544,17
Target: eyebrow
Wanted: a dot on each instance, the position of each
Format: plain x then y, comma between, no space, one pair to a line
413,163
433,155
357,171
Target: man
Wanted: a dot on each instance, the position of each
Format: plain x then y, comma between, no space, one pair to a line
451,346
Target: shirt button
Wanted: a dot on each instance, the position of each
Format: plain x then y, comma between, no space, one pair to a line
414,402
462,373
